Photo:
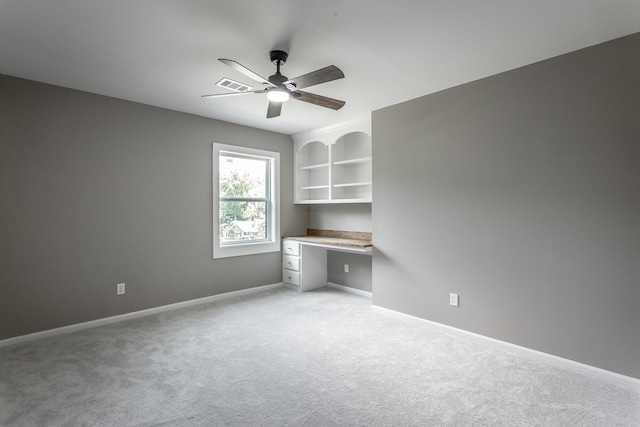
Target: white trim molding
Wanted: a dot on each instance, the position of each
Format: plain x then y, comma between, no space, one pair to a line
133,315
538,356
349,290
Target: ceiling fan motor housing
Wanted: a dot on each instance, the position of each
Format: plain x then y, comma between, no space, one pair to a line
278,57
277,79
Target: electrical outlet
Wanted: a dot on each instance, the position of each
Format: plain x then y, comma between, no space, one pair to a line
453,300
120,289
346,268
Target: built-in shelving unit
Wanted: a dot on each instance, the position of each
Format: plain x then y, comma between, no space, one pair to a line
333,164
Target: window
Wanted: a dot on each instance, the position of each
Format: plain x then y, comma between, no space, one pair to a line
246,217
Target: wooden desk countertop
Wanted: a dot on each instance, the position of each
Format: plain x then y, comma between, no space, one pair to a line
354,239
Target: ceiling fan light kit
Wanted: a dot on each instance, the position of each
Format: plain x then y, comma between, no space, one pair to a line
277,94
280,88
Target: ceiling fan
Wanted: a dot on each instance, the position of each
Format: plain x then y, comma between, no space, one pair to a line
280,88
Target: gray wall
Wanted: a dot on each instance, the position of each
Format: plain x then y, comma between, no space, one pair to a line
360,268
520,192
97,191
347,217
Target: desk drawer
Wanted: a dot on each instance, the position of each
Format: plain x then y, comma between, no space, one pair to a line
289,247
291,262
292,277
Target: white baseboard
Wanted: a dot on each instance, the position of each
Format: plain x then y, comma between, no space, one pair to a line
133,315
559,362
350,290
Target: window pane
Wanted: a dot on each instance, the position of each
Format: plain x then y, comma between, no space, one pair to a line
242,176
242,221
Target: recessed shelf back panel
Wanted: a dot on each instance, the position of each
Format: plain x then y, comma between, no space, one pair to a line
353,145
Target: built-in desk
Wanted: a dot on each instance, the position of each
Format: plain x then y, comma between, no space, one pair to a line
304,258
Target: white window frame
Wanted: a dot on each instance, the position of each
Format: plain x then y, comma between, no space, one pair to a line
272,244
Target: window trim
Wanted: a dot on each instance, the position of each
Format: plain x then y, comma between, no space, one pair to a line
272,243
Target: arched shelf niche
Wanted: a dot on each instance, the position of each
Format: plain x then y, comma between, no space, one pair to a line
333,164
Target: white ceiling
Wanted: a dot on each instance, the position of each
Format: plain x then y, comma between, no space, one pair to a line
164,52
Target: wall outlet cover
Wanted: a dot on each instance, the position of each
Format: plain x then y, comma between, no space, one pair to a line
453,299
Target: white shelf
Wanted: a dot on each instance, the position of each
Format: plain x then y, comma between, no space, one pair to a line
353,161
352,184
332,201
311,167
314,187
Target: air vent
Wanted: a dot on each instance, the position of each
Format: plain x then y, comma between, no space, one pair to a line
233,85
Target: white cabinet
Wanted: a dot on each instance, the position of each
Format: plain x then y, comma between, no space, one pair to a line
333,164
290,247
304,267
291,278
291,263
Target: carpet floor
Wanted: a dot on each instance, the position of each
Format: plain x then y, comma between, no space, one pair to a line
283,358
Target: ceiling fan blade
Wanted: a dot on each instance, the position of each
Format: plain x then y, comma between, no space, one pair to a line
313,78
274,109
220,95
323,101
244,70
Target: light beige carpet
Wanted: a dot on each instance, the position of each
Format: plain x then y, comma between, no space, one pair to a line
282,358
